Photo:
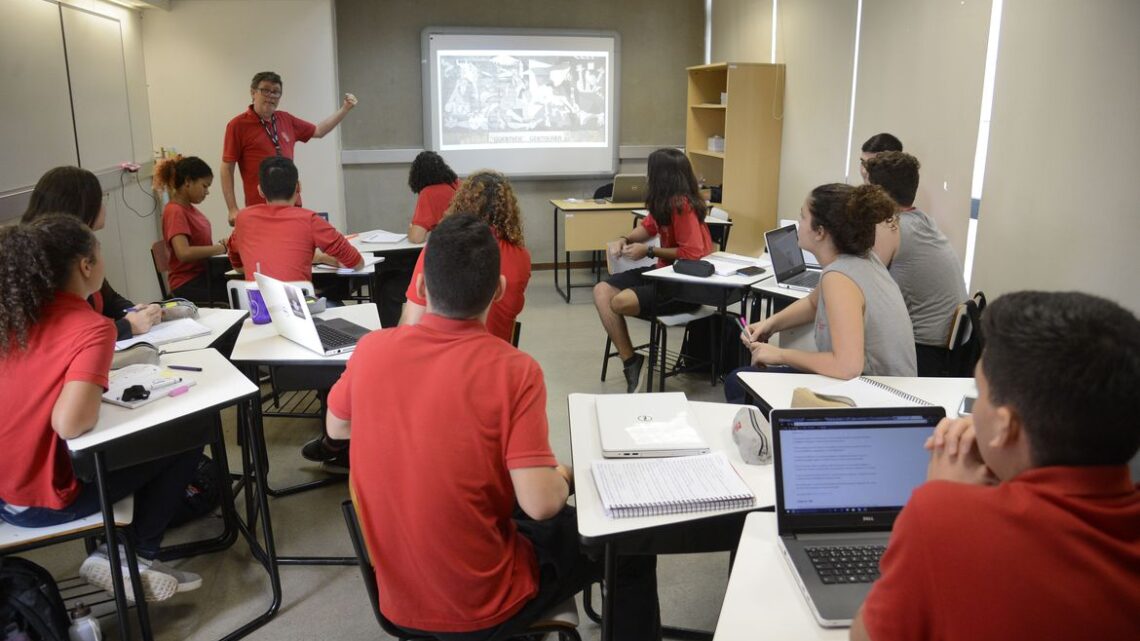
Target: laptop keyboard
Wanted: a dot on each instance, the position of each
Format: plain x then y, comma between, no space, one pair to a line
846,563
805,279
332,338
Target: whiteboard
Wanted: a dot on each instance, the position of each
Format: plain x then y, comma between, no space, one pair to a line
36,127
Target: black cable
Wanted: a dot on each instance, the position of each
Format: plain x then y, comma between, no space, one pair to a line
123,196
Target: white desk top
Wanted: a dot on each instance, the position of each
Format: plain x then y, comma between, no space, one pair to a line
262,344
358,242
590,204
716,280
714,425
218,383
709,220
322,269
769,286
218,320
776,388
762,600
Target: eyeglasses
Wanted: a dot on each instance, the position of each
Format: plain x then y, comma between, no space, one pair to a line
269,93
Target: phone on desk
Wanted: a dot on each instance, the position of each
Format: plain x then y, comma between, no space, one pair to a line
751,270
967,406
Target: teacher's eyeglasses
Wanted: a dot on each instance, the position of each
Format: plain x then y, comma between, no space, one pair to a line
269,93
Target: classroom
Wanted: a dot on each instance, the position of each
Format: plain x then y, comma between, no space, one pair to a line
1023,114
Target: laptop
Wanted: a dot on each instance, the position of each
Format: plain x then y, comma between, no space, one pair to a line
842,476
291,319
788,260
647,426
629,188
809,258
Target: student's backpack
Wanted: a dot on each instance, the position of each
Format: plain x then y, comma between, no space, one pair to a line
30,601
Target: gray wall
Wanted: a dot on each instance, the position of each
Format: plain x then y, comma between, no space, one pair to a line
378,59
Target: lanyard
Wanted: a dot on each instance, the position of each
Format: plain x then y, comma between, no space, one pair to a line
272,134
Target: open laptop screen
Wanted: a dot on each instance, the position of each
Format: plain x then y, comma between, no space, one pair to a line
784,249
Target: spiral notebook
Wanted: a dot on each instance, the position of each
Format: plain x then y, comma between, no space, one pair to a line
857,392
650,487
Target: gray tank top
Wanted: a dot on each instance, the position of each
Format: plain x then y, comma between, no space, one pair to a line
929,275
888,341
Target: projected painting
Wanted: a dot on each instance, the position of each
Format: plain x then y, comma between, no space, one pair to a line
522,99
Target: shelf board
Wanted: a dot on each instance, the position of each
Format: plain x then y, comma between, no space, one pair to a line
710,105
705,152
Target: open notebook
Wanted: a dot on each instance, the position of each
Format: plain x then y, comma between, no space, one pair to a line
857,392
648,487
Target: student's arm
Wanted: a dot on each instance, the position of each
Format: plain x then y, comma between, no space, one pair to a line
128,323
411,313
633,244
887,239
858,630
77,409
337,427
328,124
188,253
333,243
416,234
228,190
339,404
798,313
845,319
541,491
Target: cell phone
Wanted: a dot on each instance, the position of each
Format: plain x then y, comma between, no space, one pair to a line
753,270
967,406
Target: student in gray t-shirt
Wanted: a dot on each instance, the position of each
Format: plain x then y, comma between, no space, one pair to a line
861,322
920,259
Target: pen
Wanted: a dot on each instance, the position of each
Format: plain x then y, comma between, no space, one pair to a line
743,329
185,368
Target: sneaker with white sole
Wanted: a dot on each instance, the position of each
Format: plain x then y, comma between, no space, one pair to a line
159,581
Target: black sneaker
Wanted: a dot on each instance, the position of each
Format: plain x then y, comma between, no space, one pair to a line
322,450
632,371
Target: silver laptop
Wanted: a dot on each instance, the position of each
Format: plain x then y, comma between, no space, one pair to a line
809,258
788,260
842,476
629,188
647,426
291,319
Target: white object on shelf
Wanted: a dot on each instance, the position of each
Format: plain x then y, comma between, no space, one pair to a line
724,98
716,143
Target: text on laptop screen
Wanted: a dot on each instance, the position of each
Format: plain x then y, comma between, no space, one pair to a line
784,250
827,468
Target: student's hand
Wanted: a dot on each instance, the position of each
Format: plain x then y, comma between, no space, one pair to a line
225,243
233,216
319,257
143,318
954,454
635,251
616,247
765,354
761,331
349,102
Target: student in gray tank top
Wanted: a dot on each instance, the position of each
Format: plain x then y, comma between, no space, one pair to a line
861,322
920,259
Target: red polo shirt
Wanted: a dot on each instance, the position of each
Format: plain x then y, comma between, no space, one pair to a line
431,202
514,263
1052,554
69,342
685,232
186,221
441,412
281,240
247,143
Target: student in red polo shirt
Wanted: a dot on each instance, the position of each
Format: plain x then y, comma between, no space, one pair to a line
677,215
439,468
489,196
188,234
262,131
278,238
55,353
1029,525
434,184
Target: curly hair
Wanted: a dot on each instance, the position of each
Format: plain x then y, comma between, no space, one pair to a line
429,169
850,214
897,173
489,196
171,174
35,260
66,190
671,183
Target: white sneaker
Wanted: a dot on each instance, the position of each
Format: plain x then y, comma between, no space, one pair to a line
159,581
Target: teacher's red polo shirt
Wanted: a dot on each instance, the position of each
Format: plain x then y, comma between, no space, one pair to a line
247,144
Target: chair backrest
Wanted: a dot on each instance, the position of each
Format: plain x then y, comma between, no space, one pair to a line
160,256
237,291
965,341
605,191
516,333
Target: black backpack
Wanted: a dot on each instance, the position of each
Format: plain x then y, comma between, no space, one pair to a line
30,599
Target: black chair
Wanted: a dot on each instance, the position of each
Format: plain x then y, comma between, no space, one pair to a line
605,191
566,628
966,341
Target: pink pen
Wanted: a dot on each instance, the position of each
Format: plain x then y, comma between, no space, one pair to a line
179,390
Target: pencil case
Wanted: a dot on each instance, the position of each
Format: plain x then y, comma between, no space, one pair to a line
699,268
137,354
176,308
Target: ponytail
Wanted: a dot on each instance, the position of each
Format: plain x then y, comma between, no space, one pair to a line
172,173
850,214
36,259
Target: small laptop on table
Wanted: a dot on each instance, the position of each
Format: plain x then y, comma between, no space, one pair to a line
842,477
647,426
629,188
788,260
291,319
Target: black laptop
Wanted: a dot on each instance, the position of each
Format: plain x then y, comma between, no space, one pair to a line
788,260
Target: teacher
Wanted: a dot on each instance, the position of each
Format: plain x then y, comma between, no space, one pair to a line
262,131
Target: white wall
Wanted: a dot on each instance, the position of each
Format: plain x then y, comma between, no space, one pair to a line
200,57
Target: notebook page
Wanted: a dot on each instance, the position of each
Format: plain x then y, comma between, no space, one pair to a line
167,332
660,485
864,393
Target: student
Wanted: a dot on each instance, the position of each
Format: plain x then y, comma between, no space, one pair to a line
861,323
454,556
55,352
677,215
75,191
278,238
875,145
186,230
434,184
1029,524
488,195
919,258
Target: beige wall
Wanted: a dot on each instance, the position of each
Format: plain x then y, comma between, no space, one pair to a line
200,57
1057,208
742,31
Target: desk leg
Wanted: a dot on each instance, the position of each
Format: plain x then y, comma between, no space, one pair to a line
565,294
609,584
653,342
116,561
